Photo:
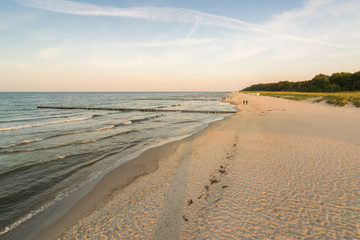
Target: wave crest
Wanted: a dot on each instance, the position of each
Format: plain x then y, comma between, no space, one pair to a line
106,128
43,124
25,142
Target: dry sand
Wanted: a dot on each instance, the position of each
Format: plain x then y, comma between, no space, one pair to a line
279,169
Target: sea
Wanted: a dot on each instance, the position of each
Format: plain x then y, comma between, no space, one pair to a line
46,155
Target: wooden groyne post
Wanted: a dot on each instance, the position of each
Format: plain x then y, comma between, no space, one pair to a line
180,99
140,110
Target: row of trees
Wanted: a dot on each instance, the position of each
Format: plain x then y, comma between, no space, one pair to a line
320,83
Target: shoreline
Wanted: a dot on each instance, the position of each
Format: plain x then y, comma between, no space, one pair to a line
228,180
101,190
39,216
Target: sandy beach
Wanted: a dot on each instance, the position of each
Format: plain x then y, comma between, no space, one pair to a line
278,169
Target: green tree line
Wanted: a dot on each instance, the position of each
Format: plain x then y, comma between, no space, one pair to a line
337,82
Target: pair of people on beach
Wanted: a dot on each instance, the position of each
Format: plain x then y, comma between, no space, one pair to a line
245,102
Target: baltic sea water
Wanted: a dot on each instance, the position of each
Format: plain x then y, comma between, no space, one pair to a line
46,154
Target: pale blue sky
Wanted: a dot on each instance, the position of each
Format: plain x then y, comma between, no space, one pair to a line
163,45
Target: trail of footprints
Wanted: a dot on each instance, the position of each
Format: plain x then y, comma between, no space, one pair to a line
215,179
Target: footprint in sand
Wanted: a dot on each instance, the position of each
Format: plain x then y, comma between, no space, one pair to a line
213,180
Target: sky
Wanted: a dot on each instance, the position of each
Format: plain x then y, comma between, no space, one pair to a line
168,45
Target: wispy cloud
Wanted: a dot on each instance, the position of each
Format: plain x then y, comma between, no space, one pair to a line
327,22
166,14
50,52
131,54
54,52
276,28
178,42
5,20
319,28
9,19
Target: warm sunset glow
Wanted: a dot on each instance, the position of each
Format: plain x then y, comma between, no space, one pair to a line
69,45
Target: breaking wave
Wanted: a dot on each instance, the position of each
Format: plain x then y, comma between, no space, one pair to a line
25,142
41,124
106,128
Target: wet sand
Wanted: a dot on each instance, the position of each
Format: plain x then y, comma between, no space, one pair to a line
278,169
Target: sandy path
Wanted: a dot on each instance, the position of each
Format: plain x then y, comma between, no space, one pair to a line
279,169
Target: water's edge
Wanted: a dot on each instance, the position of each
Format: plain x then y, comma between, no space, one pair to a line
170,145
41,225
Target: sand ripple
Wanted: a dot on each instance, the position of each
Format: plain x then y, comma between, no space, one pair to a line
285,172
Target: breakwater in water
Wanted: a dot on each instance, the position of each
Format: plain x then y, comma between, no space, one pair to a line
48,152
141,110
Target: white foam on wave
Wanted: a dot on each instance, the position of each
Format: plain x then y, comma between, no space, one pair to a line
41,124
212,119
65,193
105,128
25,142
27,217
60,196
18,150
54,159
89,141
29,141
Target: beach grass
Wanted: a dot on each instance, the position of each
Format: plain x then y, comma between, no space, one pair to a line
337,99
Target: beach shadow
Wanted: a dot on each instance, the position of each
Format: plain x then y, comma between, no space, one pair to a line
171,216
